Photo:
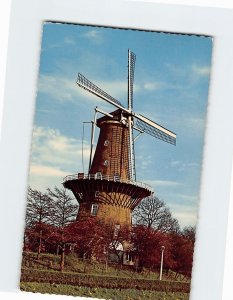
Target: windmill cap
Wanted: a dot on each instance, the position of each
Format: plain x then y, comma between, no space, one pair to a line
116,117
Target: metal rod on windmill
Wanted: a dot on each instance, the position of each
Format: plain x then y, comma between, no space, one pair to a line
97,110
93,123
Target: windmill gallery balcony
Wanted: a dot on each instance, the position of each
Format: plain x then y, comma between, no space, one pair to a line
111,190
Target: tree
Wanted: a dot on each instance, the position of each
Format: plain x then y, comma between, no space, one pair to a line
115,240
38,212
86,236
96,239
64,211
189,233
147,247
153,213
41,234
182,251
38,209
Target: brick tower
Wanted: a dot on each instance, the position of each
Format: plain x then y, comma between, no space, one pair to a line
107,192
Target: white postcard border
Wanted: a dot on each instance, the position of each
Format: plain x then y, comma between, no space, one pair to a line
20,93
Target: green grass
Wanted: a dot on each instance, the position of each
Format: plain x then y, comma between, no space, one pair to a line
113,294
75,265
91,279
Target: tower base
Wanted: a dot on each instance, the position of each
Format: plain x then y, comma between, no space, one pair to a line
108,198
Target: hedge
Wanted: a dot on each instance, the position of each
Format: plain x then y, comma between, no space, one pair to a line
94,281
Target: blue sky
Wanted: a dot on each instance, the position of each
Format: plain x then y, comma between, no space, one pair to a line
171,87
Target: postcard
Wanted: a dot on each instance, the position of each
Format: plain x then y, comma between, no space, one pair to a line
115,163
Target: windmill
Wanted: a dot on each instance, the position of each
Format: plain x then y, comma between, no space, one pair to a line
110,190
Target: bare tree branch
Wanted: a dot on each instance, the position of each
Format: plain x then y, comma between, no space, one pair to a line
153,213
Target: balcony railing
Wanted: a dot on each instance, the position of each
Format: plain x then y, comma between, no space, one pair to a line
99,176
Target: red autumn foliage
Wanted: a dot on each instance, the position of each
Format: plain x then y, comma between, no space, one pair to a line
51,227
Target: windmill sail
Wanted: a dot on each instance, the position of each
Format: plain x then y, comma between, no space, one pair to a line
131,68
154,129
86,84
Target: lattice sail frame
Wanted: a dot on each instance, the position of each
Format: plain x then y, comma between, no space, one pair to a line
87,85
153,131
131,70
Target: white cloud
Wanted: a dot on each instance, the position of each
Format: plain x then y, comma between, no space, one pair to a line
41,170
163,183
152,86
188,198
201,70
182,166
176,70
94,36
197,123
190,74
180,71
186,215
58,88
175,163
63,89
66,41
143,162
116,89
69,41
54,156
192,126
186,218
51,147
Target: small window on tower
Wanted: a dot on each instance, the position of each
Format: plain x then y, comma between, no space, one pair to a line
117,229
99,175
80,196
106,162
94,209
97,193
106,142
117,177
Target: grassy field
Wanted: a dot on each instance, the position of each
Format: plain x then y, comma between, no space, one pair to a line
72,264
113,294
92,279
